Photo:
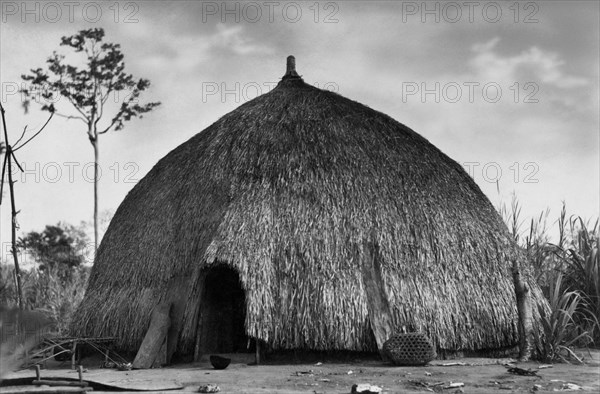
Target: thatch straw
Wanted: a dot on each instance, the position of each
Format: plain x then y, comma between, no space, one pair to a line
285,189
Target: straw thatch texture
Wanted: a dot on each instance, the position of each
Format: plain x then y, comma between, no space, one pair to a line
285,189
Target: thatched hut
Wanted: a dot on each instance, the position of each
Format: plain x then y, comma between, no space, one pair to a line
303,218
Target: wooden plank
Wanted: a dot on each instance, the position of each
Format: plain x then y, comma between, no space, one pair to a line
177,294
46,382
377,299
161,357
49,390
155,337
136,380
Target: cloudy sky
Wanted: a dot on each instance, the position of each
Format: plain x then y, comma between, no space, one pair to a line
507,89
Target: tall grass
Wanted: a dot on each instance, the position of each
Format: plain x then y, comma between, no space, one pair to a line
46,291
562,329
535,241
567,272
581,261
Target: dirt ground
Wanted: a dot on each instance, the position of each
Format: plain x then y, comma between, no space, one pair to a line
479,375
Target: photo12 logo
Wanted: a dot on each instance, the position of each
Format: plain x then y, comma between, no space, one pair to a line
71,172
239,92
18,327
70,11
270,11
454,92
470,11
83,252
47,94
492,172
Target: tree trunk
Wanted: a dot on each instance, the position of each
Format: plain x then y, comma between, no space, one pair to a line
96,159
524,311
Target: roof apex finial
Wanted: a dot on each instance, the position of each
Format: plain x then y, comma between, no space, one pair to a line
291,68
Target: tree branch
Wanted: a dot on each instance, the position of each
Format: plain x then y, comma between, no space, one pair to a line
108,91
110,126
21,137
104,98
12,153
3,173
77,108
68,117
33,136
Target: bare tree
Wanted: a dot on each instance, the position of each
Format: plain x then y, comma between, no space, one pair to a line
7,171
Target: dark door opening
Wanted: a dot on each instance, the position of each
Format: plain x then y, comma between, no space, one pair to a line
222,312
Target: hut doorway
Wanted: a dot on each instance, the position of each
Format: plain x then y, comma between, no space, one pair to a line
222,312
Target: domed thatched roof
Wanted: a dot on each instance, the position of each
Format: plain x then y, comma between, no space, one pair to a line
286,189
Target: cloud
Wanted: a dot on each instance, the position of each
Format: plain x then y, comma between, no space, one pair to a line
185,52
235,39
545,65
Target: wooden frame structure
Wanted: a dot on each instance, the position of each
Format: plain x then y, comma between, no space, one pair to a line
46,349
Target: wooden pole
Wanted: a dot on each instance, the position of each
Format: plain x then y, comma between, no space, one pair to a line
9,157
73,354
257,355
290,72
524,311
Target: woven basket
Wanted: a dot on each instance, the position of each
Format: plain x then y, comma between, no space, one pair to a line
412,348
